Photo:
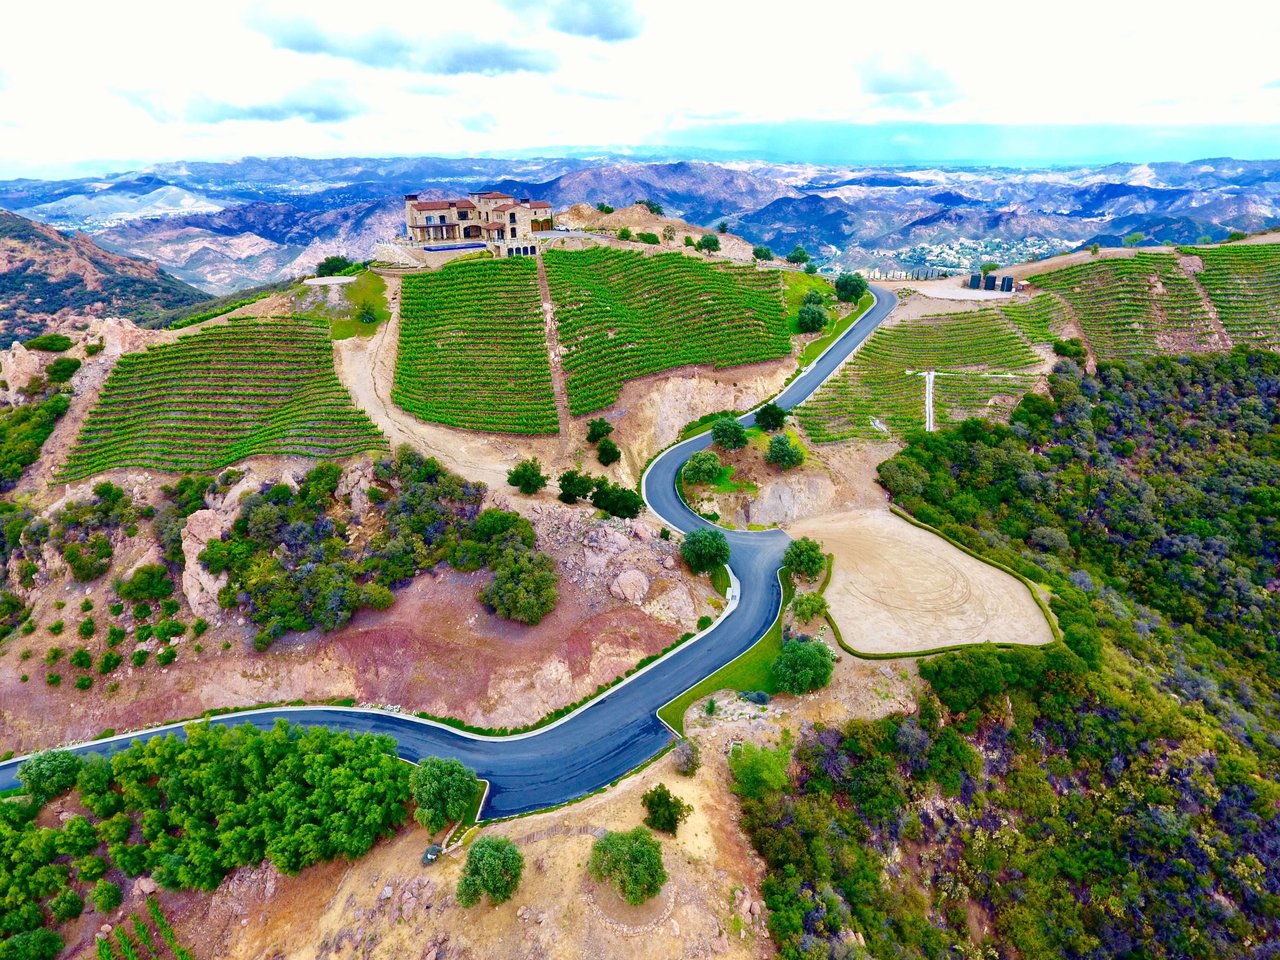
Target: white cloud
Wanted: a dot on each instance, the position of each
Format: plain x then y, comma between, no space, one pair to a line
122,85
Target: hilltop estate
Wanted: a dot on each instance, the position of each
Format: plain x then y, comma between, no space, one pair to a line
507,227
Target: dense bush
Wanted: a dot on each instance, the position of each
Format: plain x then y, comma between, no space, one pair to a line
49,342
850,287
443,791
784,452
527,477
148,582
23,431
770,417
687,758
705,549
807,606
728,433
805,558
803,665
494,866
333,266
664,811
761,253
598,429
607,452
811,318
701,467
631,862
709,243
575,486
292,568
49,774
616,500
62,369
798,255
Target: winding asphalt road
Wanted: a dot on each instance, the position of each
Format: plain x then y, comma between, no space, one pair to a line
618,731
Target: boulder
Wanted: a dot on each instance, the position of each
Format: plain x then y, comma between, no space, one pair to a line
630,585
354,483
199,585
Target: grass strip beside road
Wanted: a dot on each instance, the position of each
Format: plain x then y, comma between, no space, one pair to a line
748,671
811,352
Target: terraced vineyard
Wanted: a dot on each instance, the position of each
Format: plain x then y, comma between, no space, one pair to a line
248,387
1133,307
1243,283
981,357
1040,319
623,315
473,350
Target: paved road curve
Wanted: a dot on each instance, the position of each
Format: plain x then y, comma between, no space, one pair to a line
620,730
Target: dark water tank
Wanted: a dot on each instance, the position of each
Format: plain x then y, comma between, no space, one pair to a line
975,281
990,282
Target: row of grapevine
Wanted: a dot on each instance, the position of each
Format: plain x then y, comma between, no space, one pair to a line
623,315
245,388
1243,283
880,392
139,941
1132,307
473,350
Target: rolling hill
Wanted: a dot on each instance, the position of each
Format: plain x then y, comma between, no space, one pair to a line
46,274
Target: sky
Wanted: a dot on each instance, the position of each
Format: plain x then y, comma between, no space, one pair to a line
90,87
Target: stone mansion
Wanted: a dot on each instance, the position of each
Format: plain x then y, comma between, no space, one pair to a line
493,220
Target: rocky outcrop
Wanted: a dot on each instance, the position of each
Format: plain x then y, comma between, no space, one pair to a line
199,585
630,585
355,483
791,497
17,366
674,606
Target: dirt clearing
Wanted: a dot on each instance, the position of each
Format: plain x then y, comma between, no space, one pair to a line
899,589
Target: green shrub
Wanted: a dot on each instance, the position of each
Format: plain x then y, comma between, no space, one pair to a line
138,658
728,433
106,896
527,477
631,862
169,607
705,549
166,656
850,287
664,810
607,452
84,683
443,791
761,253
784,452
575,486
770,417
598,429
802,666
624,233
88,560
805,558
811,319
709,243
149,582
701,467
110,660
807,606
49,342
524,586
141,611
759,771
82,659
650,238
493,868
56,628
62,369
49,774
798,255
86,628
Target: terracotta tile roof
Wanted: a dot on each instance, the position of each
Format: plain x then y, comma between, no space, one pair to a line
539,205
466,205
503,208
493,195
493,225
435,205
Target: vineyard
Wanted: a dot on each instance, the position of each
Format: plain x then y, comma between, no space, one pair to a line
1135,306
150,938
979,357
1243,284
245,388
473,350
623,315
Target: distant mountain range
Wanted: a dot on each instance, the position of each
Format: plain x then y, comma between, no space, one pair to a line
226,226
46,274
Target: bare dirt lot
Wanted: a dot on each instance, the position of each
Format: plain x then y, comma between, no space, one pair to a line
899,589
